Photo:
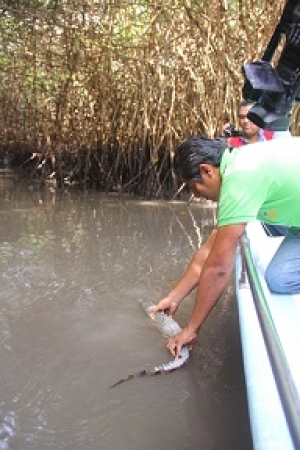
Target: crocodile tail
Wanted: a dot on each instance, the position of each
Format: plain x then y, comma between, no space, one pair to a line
142,373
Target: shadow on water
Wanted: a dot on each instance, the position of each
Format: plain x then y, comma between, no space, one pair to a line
72,273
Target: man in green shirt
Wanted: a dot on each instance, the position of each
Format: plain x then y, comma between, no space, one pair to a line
261,182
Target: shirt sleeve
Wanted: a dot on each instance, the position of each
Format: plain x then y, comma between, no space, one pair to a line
241,198
281,134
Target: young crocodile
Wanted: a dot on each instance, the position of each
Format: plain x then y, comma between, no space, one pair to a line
168,328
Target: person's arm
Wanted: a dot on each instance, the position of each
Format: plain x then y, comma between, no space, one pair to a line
213,278
189,280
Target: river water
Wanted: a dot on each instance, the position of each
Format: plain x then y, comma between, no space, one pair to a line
73,269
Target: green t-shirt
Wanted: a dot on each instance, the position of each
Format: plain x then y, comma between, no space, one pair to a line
261,181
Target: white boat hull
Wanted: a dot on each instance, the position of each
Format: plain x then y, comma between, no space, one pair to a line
270,430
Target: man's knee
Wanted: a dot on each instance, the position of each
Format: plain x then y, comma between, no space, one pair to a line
282,281
275,282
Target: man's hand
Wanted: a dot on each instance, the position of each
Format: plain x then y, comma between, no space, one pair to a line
185,337
166,305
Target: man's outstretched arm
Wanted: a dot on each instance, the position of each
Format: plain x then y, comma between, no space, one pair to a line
213,279
189,280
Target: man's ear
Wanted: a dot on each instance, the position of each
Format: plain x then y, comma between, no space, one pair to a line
206,169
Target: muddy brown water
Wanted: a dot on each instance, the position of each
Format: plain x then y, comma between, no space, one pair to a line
73,269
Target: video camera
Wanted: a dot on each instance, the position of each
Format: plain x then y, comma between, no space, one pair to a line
274,90
231,131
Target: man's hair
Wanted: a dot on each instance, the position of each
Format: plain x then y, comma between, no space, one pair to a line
244,103
195,151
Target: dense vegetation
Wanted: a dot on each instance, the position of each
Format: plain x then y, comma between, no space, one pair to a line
101,91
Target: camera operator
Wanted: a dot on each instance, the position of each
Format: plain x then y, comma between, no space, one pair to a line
250,133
